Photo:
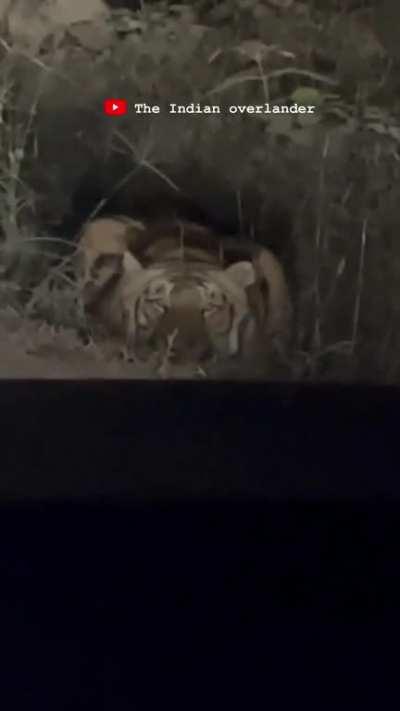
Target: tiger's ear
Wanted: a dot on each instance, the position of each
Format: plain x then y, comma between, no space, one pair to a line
130,264
110,261
242,274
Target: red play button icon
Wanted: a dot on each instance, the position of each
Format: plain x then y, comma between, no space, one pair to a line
115,107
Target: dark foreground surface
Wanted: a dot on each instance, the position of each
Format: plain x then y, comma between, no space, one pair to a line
201,604
182,544
191,439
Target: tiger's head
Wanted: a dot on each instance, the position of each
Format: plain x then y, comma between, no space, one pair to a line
184,311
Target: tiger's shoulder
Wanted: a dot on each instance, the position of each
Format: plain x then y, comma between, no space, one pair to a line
104,236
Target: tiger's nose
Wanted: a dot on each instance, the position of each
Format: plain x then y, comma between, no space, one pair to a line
206,354
190,351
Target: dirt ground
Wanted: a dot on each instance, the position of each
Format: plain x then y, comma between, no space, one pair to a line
20,365
29,350
34,350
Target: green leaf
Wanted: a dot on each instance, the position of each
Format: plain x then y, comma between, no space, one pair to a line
307,96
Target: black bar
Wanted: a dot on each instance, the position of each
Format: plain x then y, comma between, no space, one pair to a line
192,440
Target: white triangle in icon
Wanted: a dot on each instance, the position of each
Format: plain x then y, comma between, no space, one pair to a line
114,107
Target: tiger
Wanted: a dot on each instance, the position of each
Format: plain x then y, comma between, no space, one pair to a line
178,290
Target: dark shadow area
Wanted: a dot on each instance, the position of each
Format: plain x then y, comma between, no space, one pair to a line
179,529
149,440
98,600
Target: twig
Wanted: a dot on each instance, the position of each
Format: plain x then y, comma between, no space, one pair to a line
360,282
